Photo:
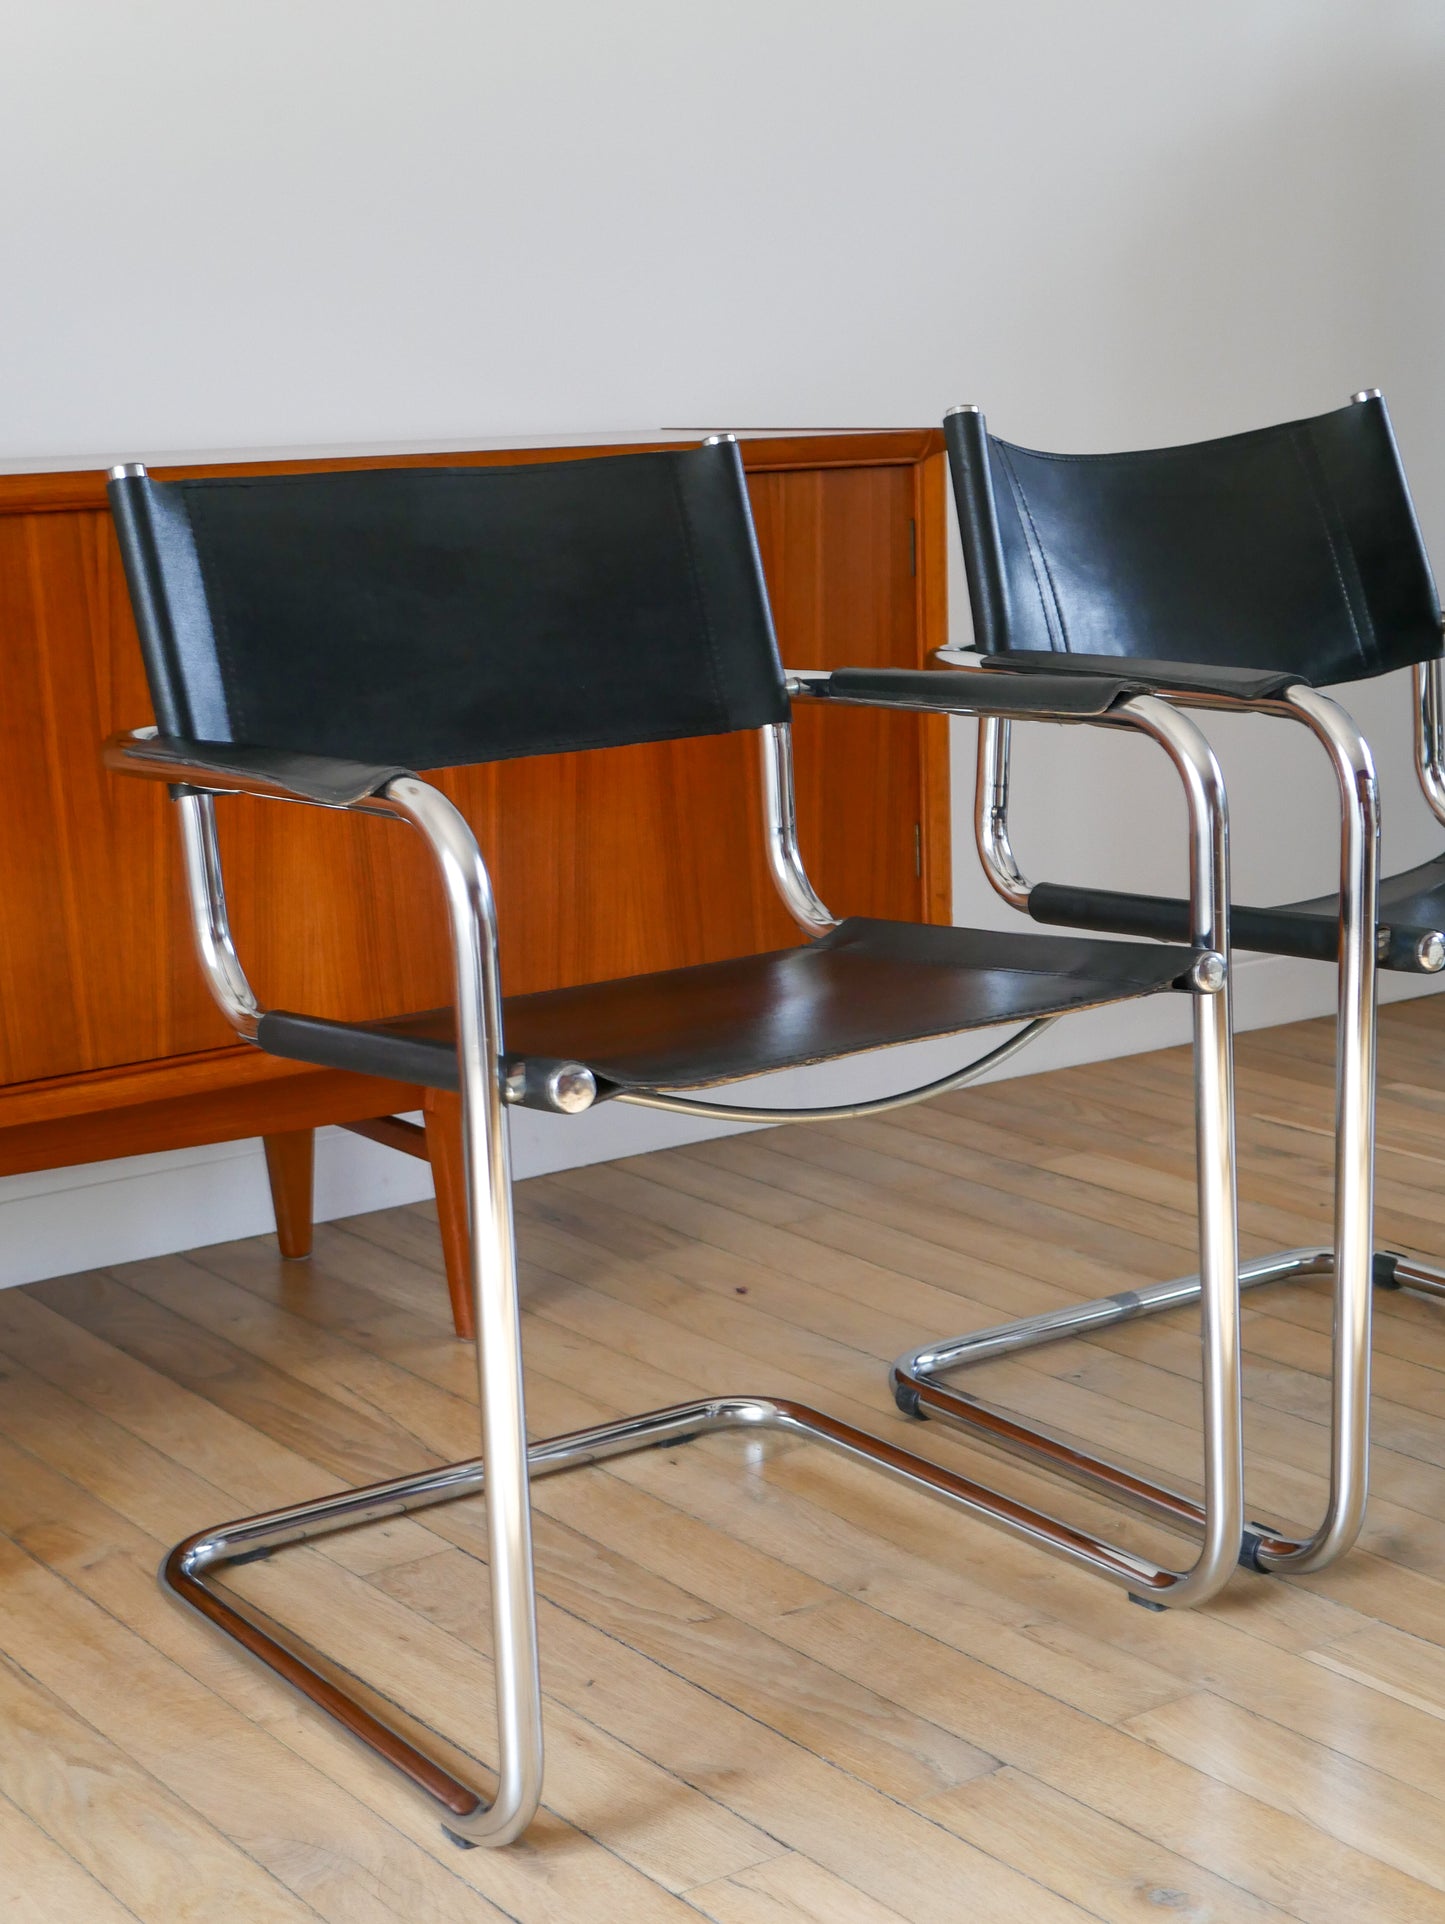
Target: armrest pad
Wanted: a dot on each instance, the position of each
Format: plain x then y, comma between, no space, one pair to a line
323,779
1187,678
973,693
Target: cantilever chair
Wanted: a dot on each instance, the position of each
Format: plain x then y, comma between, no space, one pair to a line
1238,574
316,638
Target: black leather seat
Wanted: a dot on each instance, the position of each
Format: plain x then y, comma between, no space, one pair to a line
864,985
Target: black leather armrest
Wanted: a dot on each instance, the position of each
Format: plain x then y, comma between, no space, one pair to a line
1185,678
322,779
1059,695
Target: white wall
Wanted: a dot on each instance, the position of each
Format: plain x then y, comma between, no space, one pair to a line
356,222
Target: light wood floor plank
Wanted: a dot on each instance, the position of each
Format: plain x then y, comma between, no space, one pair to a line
789,1890
802,1799
1117,1872
1364,1808
220,1765
134,1837
42,1884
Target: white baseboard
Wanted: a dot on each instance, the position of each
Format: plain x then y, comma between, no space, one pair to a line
58,1221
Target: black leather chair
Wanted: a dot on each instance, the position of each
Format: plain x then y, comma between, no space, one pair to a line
1243,573
315,639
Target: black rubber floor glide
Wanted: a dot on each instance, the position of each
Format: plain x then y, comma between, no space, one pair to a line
906,1397
1249,1547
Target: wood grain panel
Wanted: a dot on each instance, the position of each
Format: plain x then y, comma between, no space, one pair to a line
88,873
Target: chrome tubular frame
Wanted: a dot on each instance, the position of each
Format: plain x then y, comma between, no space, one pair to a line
780,827
990,811
843,1112
1429,706
1351,1260
210,920
1429,718
470,1812
916,1388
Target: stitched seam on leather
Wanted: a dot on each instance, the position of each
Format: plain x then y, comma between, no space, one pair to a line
720,707
1328,510
1037,558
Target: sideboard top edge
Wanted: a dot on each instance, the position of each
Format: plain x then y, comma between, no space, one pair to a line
59,490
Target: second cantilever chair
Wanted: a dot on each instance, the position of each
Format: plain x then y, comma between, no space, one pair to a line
1240,574
314,639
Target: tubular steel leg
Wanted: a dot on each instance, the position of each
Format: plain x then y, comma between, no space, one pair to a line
1220,1519
1352,1262
1408,1272
472,1816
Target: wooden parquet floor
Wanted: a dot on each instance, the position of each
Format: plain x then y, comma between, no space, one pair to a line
776,1689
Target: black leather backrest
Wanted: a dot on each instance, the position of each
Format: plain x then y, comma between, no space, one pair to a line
1292,548
431,616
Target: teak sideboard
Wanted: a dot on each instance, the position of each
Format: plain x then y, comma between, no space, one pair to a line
604,864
